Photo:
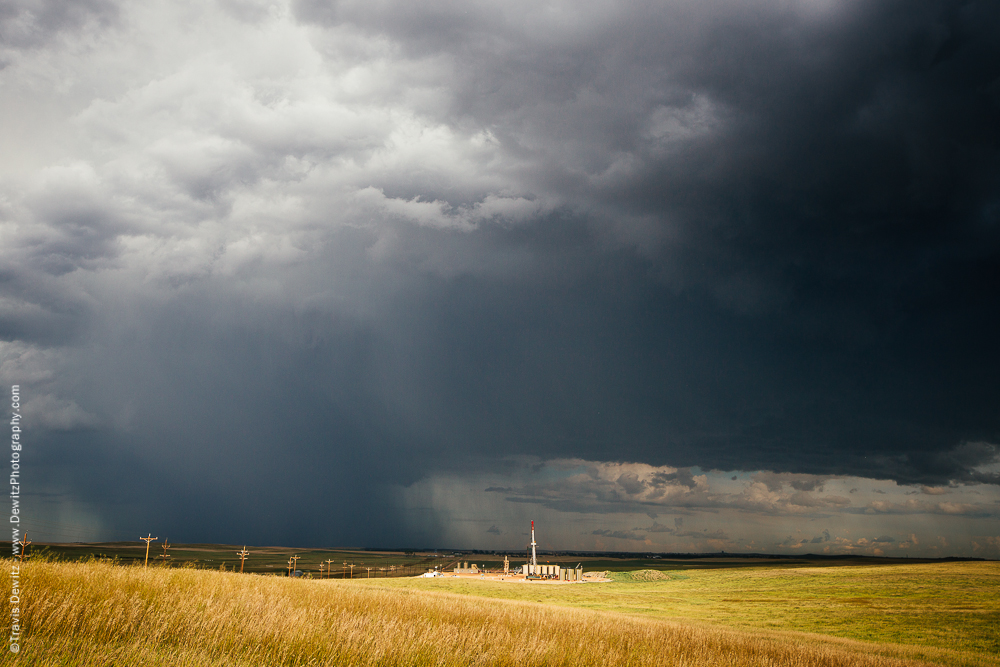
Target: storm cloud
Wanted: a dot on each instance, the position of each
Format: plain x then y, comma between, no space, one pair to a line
272,258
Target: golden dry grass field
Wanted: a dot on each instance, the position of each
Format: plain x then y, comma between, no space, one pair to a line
98,613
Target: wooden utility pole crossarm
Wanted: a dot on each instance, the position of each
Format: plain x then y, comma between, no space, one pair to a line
243,556
147,540
24,542
166,546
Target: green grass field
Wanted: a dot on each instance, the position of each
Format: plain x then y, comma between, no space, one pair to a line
951,606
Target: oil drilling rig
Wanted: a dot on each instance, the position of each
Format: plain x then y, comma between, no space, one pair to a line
532,570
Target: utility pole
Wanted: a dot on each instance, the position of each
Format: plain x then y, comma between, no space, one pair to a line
369,572
147,540
352,570
329,565
24,542
165,555
292,562
243,556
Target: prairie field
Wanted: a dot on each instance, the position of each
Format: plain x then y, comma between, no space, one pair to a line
943,605
99,613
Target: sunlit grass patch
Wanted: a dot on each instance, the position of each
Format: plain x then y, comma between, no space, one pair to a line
950,606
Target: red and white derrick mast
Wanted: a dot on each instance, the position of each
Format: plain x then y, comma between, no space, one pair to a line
534,560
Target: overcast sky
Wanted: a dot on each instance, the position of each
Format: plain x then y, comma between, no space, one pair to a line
663,276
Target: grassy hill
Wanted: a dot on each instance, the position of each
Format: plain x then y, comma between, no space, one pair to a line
948,606
98,613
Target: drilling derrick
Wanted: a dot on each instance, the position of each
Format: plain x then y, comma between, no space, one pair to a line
534,560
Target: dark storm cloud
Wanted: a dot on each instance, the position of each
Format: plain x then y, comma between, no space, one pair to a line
825,175
733,236
959,463
682,477
248,432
